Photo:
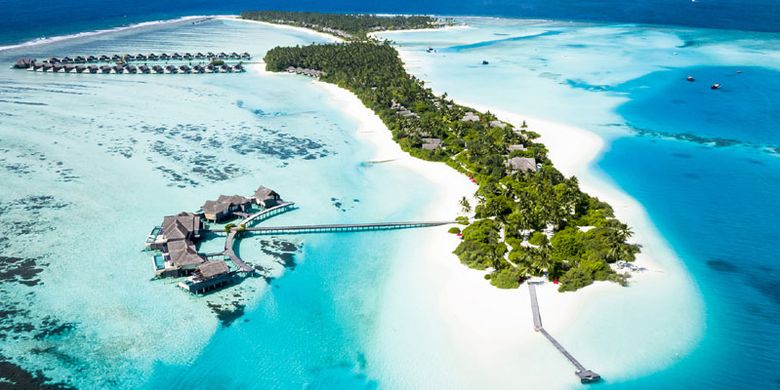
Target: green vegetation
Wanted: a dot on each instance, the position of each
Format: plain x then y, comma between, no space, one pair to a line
454,230
351,27
229,227
514,206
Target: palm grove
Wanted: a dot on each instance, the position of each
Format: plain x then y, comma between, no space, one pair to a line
528,221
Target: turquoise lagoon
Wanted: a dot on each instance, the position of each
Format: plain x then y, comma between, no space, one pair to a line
704,165
90,163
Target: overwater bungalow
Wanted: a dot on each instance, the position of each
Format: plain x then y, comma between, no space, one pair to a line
211,68
69,68
46,67
158,69
66,60
522,164
238,68
80,68
93,69
54,60
24,63
128,57
431,143
267,197
153,57
200,56
198,69
222,55
225,68
144,69
224,207
132,69
105,69
104,58
181,258
185,69
92,59
115,57
210,55
80,59
141,57
246,56
56,67
118,69
235,55
176,56
165,57
187,56
37,66
208,277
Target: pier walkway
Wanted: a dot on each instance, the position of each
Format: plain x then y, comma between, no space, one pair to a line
357,227
256,217
585,375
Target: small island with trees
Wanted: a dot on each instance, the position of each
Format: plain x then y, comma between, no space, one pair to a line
529,219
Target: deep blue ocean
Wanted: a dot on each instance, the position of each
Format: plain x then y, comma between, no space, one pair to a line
711,187
31,20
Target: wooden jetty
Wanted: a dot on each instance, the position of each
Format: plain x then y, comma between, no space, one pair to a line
256,217
585,375
336,228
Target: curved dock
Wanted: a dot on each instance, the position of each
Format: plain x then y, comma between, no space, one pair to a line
259,216
585,375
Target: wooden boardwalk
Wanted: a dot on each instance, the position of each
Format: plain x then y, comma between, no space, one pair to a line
256,217
585,375
336,228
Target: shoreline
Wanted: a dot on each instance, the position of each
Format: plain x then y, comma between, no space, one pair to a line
480,320
323,35
85,34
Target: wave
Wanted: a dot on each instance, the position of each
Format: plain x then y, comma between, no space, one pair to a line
60,38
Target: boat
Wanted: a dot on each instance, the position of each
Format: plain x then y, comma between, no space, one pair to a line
690,78
484,62
715,86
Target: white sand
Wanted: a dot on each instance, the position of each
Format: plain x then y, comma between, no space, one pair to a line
488,330
327,37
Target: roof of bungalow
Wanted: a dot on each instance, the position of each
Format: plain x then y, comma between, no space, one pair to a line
523,164
189,221
498,124
515,148
431,143
233,199
211,269
175,231
470,117
263,193
214,207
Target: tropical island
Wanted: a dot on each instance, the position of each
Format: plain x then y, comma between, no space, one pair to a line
529,219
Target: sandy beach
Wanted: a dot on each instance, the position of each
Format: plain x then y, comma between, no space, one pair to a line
327,37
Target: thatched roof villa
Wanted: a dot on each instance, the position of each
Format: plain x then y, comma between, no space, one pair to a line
522,164
267,197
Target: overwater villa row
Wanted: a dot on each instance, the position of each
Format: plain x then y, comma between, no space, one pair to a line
177,237
125,58
124,68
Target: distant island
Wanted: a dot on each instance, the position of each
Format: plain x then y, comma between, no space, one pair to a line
350,27
529,219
